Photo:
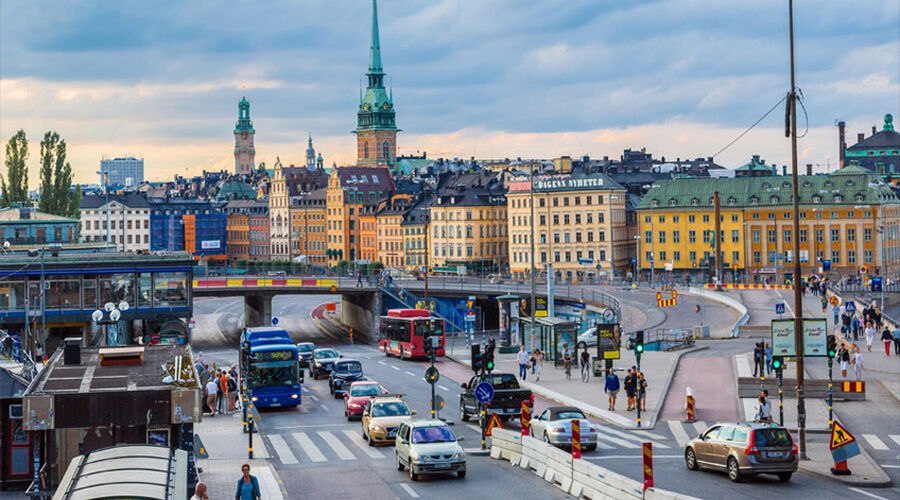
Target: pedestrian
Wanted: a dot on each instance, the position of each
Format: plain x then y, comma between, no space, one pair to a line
247,486
896,335
630,383
611,388
870,335
756,355
854,323
224,397
538,363
768,355
359,279
759,357
764,411
232,389
642,391
857,361
824,304
200,492
211,387
844,358
585,359
887,339
522,357
205,374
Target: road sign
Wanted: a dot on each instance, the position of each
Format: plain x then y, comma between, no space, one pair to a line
275,321
484,392
438,402
432,375
779,308
834,300
863,270
648,465
333,288
658,295
470,316
492,423
850,306
840,436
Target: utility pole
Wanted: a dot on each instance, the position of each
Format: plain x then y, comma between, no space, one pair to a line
717,241
426,260
798,293
652,247
533,267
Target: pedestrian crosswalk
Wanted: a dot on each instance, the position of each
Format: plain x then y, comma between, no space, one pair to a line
683,432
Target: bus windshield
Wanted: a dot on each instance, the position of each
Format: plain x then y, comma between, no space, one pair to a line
273,373
429,327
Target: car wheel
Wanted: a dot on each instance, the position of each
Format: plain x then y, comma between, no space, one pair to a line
734,473
400,466
690,459
462,412
413,475
371,443
785,476
461,474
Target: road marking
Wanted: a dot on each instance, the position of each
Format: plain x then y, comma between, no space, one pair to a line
616,457
895,438
381,362
394,367
443,388
891,467
649,435
409,490
474,428
318,426
411,374
322,406
875,442
621,442
678,432
313,397
368,450
283,450
742,363
342,452
866,493
700,427
628,435
309,447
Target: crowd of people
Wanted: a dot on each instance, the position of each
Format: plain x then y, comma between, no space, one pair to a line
220,388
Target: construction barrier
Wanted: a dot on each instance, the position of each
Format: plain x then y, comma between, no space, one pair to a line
559,468
749,286
506,445
534,455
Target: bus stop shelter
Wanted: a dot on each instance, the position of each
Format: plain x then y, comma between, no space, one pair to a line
550,335
130,471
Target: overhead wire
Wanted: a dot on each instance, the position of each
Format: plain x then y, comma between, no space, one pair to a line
751,127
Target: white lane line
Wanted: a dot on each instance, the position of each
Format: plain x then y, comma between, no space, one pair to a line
742,363
629,435
309,447
443,388
474,428
866,493
381,362
650,435
322,406
313,397
394,367
354,438
700,427
875,442
618,457
283,450
342,452
890,467
411,374
409,490
678,432
604,446
895,438
268,486
621,442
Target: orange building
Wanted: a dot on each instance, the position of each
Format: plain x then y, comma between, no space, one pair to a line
350,190
308,226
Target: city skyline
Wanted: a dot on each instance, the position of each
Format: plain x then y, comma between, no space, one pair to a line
539,81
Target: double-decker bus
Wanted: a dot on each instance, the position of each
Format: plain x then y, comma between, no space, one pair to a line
403,333
270,367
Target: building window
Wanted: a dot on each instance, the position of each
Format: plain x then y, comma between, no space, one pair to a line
577,217
648,256
675,219
555,219
692,236
734,218
851,234
803,236
648,236
566,218
692,218
676,236
568,253
867,234
835,256
868,257
756,256
386,150
662,236
567,237
735,256
820,236
577,236
676,256
772,235
851,257
787,235
601,235
692,255
735,235
556,256
662,256
366,149
556,237
706,218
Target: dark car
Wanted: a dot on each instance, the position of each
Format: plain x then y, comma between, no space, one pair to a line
322,362
306,353
508,396
343,373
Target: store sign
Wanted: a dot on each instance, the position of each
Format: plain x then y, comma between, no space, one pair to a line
783,337
564,183
815,341
609,339
210,244
540,307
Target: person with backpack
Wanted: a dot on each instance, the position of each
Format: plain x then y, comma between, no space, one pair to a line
232,391
247,486
223,392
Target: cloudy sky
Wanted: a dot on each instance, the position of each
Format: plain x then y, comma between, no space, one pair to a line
490,79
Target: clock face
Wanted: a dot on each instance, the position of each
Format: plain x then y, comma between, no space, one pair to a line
243,134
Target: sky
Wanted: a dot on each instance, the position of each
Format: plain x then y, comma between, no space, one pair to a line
503,78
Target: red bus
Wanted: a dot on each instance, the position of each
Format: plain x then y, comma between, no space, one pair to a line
403,333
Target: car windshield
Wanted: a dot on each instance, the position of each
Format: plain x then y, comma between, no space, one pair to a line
364,390
305,347
389,409
328,354
348,367
432,435
505,381
563,415
772,437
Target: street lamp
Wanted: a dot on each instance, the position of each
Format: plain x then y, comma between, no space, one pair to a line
110,316
882,231
54,251
106,188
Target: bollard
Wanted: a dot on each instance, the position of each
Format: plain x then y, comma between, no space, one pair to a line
690,408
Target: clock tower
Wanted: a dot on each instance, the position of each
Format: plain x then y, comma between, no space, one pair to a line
376,130
244,152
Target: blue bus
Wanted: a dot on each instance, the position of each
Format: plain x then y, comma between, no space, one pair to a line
270,367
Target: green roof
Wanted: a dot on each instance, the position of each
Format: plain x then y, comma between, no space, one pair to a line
849,185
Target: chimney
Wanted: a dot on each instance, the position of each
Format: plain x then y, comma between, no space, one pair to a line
784,170
774,170
860,137
842,144
72,351
874,130
809,169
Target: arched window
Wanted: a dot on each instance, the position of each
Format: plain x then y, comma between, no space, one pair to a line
385,150
366,149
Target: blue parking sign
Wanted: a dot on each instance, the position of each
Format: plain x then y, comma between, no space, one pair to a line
779,308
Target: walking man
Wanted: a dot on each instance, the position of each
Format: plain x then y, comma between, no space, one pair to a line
629,389
522,358
211,388
611,388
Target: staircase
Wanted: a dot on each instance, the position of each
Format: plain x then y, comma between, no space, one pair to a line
452,318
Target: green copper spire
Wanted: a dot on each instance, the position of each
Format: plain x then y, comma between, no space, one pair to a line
888,122
243,121
375,50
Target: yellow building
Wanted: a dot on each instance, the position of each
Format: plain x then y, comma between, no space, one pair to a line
415,238
309,233
843,217
389,219
580,226
352,191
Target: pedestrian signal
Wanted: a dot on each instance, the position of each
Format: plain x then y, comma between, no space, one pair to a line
639,341
832,346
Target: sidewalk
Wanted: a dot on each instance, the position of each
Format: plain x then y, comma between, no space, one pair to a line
658,368
226,444
864,471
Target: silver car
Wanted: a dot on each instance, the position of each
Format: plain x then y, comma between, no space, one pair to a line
429,447
554,426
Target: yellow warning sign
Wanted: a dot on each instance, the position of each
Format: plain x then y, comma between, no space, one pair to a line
492,423
834,300
840,436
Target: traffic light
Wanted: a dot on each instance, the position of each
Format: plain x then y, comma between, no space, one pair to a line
832,346
489,360
477,359
639,341
698,309
778,363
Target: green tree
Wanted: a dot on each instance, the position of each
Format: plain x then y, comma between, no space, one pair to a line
56,178
14,189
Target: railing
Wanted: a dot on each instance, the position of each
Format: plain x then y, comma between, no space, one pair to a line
861,288
667,339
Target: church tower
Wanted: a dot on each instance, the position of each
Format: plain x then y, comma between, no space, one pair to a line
310,155
376,131
244,152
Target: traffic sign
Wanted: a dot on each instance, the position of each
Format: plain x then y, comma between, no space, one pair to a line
834,300
275,321
779,308
850,306
576,438
648,465
484,392
438,402
658,295
492,423
863,270
470,316
432,375
840,436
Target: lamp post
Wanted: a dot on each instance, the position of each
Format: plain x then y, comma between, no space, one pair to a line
106,188
637,260
533,267
883,232
110,316
54,251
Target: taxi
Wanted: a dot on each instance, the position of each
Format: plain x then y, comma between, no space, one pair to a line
382,416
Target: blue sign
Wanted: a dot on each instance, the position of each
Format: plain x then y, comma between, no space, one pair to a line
585,262
779,308
850,307
274,321
484,392
633,261
826,265
876,284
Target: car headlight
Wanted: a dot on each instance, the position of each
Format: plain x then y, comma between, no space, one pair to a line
254,398
458,455
354,405
294,396
377,428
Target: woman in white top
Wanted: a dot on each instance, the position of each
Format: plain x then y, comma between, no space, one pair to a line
870,334
538,364
764,412
857,362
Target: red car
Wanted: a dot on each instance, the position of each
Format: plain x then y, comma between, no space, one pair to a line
358,395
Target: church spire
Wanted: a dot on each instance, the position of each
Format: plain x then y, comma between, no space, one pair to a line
375,49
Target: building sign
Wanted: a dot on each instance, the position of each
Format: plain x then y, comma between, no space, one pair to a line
783,337
567,183
540,307
210,244
609,339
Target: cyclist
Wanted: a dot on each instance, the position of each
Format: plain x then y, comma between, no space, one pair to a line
585,361
567,359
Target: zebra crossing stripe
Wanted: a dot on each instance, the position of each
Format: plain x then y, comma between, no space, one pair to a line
874,442
283,450
342,452
700,427
355,439
630,436
309,447
650,435
895,438
678,432
621,442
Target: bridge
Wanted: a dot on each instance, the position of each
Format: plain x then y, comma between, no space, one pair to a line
360,303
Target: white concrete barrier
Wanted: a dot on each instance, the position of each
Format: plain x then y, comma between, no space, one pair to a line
595,483
534,455
506,445
559,468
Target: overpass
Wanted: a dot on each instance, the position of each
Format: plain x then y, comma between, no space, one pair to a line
360,304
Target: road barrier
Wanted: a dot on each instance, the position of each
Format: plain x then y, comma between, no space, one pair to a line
577,477
749,387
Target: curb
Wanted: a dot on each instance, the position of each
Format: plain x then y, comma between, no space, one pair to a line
671,376
889,390
886,483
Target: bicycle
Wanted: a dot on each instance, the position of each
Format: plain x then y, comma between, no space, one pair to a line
568,365
585,373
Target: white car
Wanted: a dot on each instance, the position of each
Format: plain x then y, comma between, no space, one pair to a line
588,338
429,447
554,426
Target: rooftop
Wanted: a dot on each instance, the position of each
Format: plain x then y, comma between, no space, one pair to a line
15,215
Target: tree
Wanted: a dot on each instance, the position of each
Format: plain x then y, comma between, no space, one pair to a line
56,179
15,188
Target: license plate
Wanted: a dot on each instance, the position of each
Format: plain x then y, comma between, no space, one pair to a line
775,454
441,466
392,434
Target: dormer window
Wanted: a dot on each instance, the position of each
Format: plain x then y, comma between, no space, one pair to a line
695,202
766,185
773,199
672,202
817,199
829,183
838,198
850,183
806,184
786,184
732,200
754,200
860,197
654,202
